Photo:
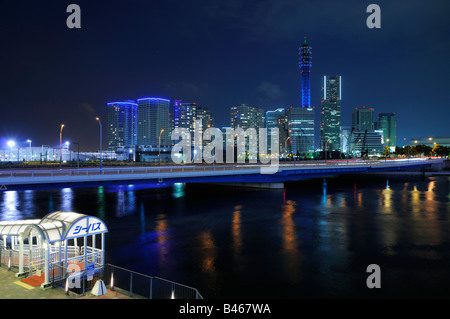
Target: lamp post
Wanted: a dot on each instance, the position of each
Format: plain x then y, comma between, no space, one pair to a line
325,150
60,146
101,148
348,146
159,146
78,154
285,147
356,147
386,155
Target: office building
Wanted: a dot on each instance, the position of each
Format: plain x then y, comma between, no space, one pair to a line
388,124
122,123
278,119
153,122
301,130
330,114
362,118
366,142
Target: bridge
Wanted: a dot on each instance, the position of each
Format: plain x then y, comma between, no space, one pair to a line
248,175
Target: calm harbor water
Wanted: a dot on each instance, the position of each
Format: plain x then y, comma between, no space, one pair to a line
308,240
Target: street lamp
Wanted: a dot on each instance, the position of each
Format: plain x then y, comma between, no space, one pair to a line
356,147
60,146
67,143
159,147
386,153
78,152
285,147
348,146
101,148
325,150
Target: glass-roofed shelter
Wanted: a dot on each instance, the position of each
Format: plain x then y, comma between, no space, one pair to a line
54,246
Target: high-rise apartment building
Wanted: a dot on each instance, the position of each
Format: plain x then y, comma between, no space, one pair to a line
184,114
388,124
362,119
153,122
330,115
122,123
246,116
205,116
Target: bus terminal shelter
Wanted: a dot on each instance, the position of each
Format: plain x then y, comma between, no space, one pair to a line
53,247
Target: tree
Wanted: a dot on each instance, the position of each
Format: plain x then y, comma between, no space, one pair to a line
400,150
423,149
387,151
440,150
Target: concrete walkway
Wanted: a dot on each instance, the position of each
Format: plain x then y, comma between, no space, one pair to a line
12,288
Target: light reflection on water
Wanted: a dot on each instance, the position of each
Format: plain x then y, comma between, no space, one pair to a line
307,240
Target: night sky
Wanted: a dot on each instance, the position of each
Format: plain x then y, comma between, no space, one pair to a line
218,54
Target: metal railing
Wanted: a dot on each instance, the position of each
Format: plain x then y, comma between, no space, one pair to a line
137,285
123,281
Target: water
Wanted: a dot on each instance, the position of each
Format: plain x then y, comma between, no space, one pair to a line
309,240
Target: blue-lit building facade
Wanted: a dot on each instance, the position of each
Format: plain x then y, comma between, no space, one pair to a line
122,123
153,126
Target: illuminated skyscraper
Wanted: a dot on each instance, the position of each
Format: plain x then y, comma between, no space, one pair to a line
387,123
330,115
122,123
153,120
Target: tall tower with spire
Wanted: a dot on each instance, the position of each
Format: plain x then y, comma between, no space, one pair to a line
305,57
301,119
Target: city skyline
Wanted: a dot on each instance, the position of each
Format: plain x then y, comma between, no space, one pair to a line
233,53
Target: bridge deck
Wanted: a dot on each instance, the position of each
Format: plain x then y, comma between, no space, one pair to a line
201,173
